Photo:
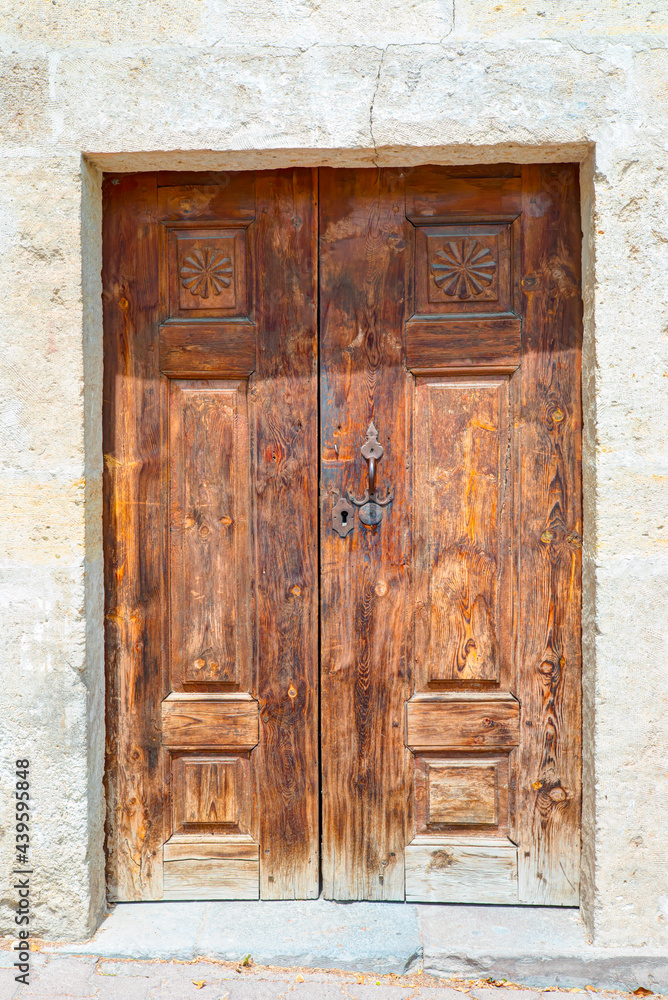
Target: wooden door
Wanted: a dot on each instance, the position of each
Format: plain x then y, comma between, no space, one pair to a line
443,335
450,663
210,445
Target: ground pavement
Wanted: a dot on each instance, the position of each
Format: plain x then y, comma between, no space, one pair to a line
55,977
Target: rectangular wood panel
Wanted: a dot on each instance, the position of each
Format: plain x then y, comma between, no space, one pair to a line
439,345
550,530
461,873
210,721
433,193
209,269
463,793
211,794
470,724
210,535
462,556
211,848
220,350
211,879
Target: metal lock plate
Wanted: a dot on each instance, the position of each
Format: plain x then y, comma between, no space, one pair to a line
343,517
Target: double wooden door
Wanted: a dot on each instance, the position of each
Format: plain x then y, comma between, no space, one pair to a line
310,689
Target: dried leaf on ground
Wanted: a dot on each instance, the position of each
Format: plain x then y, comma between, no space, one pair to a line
199,983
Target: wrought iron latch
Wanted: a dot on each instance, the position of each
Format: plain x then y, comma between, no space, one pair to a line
371,503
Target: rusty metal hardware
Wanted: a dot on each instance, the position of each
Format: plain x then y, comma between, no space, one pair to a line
343,517
370,503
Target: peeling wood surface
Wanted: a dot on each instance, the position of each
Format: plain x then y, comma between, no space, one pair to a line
211,848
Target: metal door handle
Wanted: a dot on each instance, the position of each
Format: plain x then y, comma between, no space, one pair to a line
370,503
372,476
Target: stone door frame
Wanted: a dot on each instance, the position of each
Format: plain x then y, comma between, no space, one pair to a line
93,167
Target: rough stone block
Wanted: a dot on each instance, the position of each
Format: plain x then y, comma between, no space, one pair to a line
24,84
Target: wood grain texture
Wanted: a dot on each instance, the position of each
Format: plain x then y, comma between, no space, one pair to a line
209,848
285,413
438,345
226,456
220,350
364,576
211,793
209,271
202,721
134,539
473,873
462,553
462,794
184,199
459,725
209,546
550,529
433,193
211,879
463,269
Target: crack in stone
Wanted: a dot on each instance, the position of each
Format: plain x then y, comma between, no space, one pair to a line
373,101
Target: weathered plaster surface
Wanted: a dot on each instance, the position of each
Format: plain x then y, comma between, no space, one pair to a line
224,84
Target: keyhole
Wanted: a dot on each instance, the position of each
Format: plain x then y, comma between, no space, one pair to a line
344,517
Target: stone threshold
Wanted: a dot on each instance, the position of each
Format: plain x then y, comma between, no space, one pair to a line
531,946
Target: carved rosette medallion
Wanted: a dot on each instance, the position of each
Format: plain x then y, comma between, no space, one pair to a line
206,271
463,268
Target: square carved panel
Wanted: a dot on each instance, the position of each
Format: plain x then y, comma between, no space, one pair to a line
465,795
210,794
208,272
463,269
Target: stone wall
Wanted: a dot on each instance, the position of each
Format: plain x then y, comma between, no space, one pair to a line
227,84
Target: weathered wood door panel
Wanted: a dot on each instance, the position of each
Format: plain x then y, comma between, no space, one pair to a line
210,441
449,678
365,641
450,673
